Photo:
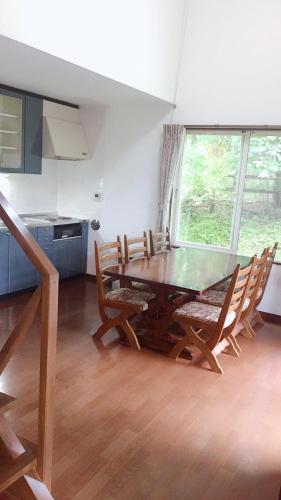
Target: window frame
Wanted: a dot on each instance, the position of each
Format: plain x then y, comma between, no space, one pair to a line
246,135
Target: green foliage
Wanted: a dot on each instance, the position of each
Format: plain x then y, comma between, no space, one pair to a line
209,177
212,229
207,228
209,168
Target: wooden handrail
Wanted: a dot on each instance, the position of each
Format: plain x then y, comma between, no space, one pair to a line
25,239
47,293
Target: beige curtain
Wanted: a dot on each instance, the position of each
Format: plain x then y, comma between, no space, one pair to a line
172,147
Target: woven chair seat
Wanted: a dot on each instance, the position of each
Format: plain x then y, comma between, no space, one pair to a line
206,313
130,296
213,296
142,287
223,287
217,298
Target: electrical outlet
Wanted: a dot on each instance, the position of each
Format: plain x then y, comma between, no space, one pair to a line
98,196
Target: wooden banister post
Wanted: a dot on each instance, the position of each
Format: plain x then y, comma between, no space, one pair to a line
47,376
48,294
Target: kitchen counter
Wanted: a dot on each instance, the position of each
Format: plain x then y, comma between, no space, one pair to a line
45,219
64,241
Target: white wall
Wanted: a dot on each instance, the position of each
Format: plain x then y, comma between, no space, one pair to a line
134,42
32,193
271,300
125,144
231,72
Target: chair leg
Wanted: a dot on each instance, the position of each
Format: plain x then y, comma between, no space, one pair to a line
233,347
248,327
198,342
122,325
258,318
132,338
246,331
110,323
234,342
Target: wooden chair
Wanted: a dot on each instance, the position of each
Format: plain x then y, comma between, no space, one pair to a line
159,242
137,248
225,285
255,280
126,300
210,327
255,315
217,297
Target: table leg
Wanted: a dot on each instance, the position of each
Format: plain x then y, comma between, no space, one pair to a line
153,329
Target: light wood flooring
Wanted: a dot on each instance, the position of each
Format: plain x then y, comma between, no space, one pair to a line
135,426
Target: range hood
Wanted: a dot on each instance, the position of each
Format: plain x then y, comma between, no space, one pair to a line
63,140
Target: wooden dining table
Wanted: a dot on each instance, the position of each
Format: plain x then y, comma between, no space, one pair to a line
183,269
189,270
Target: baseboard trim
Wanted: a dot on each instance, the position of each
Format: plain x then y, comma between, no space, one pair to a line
90,277
271,318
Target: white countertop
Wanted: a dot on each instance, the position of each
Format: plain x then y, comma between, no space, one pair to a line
45,219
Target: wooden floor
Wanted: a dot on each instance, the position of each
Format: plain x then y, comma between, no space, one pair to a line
141,426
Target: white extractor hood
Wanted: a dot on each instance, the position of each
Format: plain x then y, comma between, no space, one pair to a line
63,134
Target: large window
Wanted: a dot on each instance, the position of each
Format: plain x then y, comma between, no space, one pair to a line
228,192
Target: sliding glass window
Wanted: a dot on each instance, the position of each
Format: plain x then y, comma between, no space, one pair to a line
228,191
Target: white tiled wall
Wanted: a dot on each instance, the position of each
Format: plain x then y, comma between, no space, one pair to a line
32,193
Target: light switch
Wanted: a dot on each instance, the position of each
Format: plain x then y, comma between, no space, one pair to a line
98,196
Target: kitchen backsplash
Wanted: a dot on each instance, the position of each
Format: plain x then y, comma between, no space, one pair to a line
32,193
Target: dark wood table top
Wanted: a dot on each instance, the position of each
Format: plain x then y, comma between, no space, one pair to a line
185,269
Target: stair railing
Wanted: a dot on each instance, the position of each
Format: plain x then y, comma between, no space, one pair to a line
45,295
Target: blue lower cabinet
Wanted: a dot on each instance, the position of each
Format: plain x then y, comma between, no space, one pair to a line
22,272
84,247
49,251
45,235
4,262
67,256
17,273
74,256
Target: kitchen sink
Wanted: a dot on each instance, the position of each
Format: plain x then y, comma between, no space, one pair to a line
45,219
33,219
55,219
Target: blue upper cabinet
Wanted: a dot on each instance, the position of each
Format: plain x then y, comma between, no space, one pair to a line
20,133
12,125
33,135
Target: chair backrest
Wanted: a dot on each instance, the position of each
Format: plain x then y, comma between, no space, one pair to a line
159,242
136,248
274,250
235,296
254,282
266,271
107,256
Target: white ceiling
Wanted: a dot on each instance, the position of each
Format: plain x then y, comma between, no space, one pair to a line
32,70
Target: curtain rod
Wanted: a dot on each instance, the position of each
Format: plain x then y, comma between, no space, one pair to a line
233,127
